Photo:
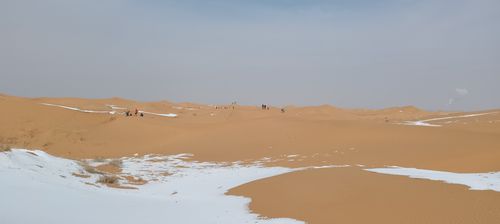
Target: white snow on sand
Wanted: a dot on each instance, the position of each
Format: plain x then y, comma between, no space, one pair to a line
76,109
184,108
163,115
475,181
421,123
114,107
113,111
39,188
427,124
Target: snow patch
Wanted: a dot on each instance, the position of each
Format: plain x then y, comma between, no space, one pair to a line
427,124
76,109
475,181
114,107
163,115
40,188
113,111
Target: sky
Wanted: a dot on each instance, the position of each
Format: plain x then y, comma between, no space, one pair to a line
433,54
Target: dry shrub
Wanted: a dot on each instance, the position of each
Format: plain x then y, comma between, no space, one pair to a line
99,159
90,169
135,180
116,163
5,148
108,179
80,175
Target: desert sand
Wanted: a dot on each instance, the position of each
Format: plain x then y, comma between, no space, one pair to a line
299,137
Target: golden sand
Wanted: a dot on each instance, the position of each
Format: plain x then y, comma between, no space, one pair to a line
319,135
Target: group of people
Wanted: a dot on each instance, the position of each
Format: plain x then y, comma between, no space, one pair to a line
233,104
128,113
223,107
266,107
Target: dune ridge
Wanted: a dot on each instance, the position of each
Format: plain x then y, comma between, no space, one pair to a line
299,137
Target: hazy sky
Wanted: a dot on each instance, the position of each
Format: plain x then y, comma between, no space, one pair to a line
433,54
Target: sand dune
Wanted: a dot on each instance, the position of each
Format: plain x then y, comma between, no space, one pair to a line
300,137
31,177
351,195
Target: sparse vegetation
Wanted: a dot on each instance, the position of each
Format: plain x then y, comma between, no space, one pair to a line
99,159
135,180
90,169
5,148
80,175
116,163
108,179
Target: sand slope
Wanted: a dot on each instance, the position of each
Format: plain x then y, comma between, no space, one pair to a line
350,195
320,135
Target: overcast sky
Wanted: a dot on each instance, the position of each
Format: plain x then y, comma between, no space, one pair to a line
437,55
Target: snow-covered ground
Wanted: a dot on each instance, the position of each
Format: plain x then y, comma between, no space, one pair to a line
426,122
114,107
163,115
475,181
78,109
113,110
36,187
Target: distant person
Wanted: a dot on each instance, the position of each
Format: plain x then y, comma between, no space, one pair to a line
136,111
